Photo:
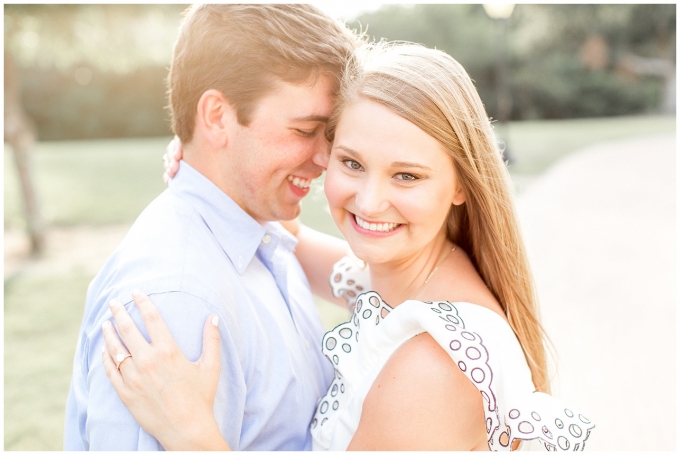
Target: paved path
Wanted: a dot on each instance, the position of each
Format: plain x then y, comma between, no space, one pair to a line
600,228
68,248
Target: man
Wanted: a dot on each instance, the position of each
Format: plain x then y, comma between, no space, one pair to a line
251,89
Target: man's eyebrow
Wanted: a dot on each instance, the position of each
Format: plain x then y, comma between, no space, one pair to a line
357,155
311,118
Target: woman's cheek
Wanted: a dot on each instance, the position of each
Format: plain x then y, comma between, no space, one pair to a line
424,207
336,189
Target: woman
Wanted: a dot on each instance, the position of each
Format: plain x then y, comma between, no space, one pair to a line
417,185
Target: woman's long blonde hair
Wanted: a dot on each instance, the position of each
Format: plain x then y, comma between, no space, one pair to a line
431,90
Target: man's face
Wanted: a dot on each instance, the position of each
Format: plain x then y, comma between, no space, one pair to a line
268,165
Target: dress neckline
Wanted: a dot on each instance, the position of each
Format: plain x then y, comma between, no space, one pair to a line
470,304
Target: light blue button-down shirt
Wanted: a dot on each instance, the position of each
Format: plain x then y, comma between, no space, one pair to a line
196,252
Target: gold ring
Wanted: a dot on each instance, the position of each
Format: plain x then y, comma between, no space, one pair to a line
120,358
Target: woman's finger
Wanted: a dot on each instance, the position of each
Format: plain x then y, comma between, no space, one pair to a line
174,167
114,347
177,150
112,372
129,333
210,357
153,321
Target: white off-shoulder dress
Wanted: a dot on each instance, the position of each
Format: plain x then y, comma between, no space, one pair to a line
477,339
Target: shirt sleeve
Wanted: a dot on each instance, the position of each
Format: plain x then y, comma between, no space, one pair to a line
109,425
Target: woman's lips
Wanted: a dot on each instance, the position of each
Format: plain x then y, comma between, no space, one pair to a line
374,228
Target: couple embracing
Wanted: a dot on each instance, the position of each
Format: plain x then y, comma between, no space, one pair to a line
200,332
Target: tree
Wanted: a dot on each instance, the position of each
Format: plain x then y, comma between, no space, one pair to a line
20,134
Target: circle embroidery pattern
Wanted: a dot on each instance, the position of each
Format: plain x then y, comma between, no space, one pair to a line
559,429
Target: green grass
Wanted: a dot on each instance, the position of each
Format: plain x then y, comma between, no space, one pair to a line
90,182
42,318
111,181
536,145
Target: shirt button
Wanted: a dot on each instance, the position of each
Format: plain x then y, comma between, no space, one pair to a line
266,239
307,343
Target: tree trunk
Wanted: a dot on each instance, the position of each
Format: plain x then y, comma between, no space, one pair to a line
20,134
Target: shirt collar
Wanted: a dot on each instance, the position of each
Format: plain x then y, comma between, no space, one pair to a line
281,234
238,233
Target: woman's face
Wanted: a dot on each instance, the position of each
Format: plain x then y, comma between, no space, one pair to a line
389,184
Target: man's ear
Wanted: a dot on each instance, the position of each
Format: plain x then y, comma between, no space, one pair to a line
214,118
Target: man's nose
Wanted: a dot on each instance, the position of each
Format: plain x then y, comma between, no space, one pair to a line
321,153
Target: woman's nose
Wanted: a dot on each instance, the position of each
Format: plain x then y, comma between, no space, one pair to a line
372,199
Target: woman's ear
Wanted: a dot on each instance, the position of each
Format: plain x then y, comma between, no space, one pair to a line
214,118
458,196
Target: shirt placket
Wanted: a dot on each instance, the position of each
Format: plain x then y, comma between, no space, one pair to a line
271,254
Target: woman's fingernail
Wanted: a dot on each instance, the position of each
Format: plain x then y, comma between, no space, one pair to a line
215,320
106,324
114,302
136,293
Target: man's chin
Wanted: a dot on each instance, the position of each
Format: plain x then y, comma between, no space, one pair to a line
288,212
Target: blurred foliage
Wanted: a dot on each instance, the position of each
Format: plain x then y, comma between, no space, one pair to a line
93,71
548,75
114,38
111,105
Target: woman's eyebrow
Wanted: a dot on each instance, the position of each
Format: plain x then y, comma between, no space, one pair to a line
402,164
407,164
349,150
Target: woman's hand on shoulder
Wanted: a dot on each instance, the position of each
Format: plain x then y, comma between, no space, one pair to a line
421,401
169,396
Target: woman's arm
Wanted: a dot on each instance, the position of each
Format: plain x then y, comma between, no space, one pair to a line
169,396
421,401
317,252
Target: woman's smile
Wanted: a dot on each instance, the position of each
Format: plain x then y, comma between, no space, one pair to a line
374,228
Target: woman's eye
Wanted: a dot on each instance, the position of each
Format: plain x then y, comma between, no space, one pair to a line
406,177
352,165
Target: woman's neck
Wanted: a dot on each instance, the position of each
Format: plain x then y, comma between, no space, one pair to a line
398,281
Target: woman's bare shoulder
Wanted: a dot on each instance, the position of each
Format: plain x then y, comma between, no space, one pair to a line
421,401
459,281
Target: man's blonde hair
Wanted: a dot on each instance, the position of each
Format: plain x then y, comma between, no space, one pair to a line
434,92
241,50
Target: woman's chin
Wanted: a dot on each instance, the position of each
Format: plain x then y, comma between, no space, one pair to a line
371,254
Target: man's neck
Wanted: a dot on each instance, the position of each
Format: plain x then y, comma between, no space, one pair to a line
205,161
